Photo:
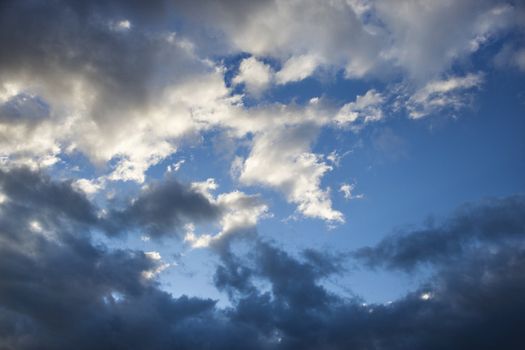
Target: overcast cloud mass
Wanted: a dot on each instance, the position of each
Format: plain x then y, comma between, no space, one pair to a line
303,174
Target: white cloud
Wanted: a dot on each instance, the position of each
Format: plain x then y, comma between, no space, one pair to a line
153,255
426,296
449,93
124,24
240,213
89,187
159,265
420,32
365,109
256,75
296,68
108,122
281,159
347,191
176,166
363,37
126,126
120,26
205,187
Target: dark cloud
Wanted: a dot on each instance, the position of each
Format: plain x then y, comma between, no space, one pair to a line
35,196
474,304
59,290
488,222
163,209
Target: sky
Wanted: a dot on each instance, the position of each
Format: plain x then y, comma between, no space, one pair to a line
343,174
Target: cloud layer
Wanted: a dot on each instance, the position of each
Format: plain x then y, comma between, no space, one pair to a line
60,290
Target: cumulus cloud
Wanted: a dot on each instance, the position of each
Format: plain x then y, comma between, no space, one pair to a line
281,159
296,68
115,83
105,90
240,214
362,37
255,75
112,82
366,108
422,44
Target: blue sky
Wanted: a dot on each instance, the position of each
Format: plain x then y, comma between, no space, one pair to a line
219,154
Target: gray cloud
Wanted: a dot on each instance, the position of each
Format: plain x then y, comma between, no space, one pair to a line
450,311
163,209
37,197
59,290
486,223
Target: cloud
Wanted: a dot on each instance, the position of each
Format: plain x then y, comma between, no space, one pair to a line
296,68
365,109
113,81
114,95
448,94
362,37
511,56
255,75
240,214
297,312
347,191
421,42
66,291
486,223
163,209
54,201
281,159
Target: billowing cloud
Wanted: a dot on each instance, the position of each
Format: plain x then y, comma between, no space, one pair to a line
240,213
115,83
256,75
296,68
61,290
94,94
365,109
281,159
362,37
